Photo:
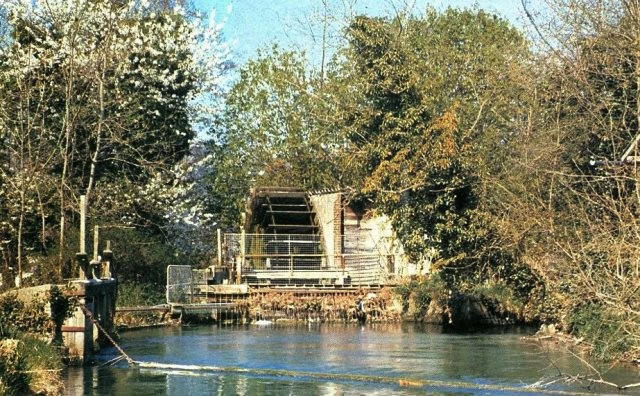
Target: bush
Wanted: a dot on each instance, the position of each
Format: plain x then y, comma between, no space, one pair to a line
62,307
132,294
29,365
16,317
428,289
140,256
499,296
404,292
13,379
602,329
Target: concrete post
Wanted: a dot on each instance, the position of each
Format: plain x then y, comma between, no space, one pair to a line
107,256
95,262
243,252
81,256
219,234
83,220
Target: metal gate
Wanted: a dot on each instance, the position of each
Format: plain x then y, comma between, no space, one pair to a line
179,284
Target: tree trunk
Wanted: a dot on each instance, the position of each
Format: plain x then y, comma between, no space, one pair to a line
94,157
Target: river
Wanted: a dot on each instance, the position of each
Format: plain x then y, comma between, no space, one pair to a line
334,359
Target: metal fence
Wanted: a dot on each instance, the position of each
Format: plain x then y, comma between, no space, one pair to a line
275,251
293,258
179,284
186,284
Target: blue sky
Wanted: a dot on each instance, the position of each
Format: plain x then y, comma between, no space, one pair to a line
254,24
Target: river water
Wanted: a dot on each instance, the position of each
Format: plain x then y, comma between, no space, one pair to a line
335,359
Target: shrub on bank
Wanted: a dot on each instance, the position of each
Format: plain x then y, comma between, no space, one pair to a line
132,294
605,331
430,299
29,365
13,379
499,298
18,317
418,297
30,356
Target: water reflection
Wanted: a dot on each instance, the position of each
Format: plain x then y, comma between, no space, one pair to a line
325,359
120,381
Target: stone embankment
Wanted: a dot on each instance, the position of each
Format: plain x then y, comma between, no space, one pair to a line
143,318
374,305
379,305
383,305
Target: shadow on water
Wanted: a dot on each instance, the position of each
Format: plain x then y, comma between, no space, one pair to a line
329,359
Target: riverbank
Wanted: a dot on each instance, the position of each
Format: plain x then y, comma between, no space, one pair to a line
29,366
142,319
385,305
377,305
31,352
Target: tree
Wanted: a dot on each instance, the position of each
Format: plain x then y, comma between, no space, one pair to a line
429,120
273,131
585,241
116,87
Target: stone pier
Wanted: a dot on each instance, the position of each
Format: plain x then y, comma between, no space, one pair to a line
80,334
96,290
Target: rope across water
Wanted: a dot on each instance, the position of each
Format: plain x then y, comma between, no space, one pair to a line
402,382
89,315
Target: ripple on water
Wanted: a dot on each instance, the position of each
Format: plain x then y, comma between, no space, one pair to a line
327,359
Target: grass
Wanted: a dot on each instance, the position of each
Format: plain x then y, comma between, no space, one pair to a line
29,365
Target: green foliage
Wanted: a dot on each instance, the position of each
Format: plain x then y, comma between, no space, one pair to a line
404,292
42,362
499,297
279,127
141,256
425,130
422,298
132,294
423,292
17,317
543,307
432,123
601,329
13,379
62,307
29,365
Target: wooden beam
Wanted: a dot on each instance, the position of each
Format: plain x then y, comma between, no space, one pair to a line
304,212
285,204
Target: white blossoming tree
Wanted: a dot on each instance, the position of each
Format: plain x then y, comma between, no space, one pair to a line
99,97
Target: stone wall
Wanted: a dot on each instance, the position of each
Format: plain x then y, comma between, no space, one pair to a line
328,214
380,305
